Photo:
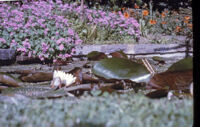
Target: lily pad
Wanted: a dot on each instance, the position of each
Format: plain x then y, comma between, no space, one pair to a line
119,54
179,76
157,94
176,80
95,55
182,65
119,68
37,77
8,80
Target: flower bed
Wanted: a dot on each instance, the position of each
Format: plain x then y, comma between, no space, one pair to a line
51,30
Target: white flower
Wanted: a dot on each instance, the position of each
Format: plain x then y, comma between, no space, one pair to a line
169,95
60,77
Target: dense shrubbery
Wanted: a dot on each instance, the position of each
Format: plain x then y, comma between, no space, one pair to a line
34,30
92,24
126,110
49,30
166,23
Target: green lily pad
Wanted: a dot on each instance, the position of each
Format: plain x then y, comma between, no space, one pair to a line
182,65
119,68
95,55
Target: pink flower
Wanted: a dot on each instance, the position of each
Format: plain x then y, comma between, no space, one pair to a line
67,55
57,25
21,49
26,44
78,41
2,40
41,57
54,60
29,54
33,24
40,21
70,31
11,33
45,47
45,31
60,40
57,33
60,55
13,43
68,40
61,47
73,50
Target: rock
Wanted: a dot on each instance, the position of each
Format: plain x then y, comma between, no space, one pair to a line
7,56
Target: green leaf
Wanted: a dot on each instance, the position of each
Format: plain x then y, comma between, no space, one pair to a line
95,55
182,65
119,68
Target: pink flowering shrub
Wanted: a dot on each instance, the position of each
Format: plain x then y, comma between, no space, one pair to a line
3,43
51,30
115,26
34,30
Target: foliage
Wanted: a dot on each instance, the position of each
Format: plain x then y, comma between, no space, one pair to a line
99,25
34,30
120,68
165,22
107,110
153,21
49,30
182,65
39,105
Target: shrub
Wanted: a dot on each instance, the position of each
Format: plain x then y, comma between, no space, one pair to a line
34,30
99,25
49,29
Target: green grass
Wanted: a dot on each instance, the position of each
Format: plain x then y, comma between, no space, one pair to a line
127,110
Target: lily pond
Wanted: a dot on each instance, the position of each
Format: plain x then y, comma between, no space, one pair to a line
114,90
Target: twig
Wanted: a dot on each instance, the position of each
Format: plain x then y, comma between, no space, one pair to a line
88,87
148,66
125,91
